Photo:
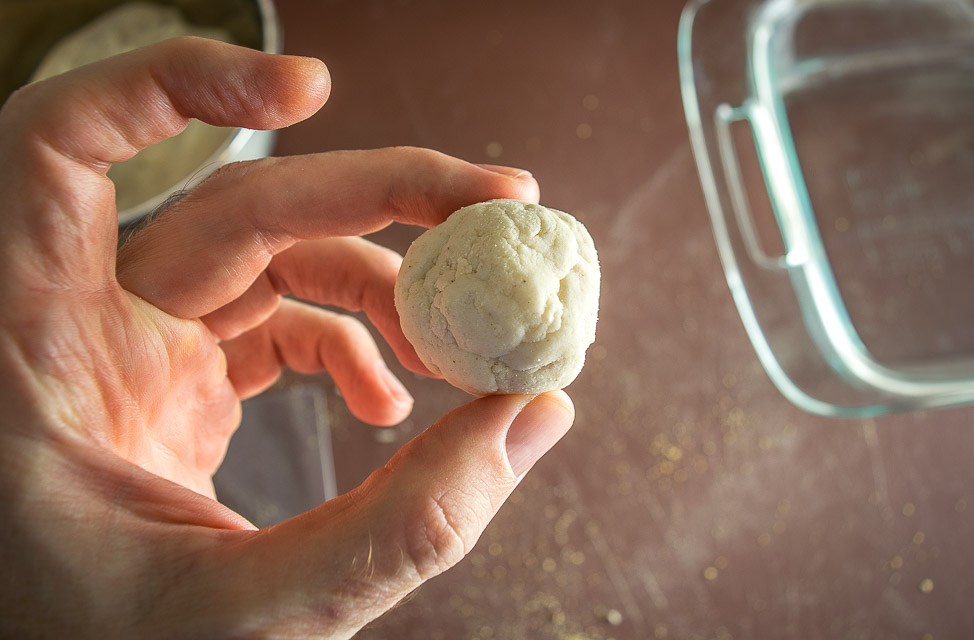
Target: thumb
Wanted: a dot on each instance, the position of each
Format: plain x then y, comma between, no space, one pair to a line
332,570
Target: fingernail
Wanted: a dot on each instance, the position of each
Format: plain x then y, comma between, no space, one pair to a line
510,172
393,386
537,428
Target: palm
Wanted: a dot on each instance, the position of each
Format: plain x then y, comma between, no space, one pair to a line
180,409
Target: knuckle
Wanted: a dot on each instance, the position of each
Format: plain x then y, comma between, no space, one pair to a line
349,331
425,162
240,92
443,533
409,197
191,341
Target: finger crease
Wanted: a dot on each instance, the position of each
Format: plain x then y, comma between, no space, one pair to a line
278,281
278,352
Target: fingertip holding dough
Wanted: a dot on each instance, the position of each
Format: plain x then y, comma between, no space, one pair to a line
502,297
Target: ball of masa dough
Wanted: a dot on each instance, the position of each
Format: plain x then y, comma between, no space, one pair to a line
502,297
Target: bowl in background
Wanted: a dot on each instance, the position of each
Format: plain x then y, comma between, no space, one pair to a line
31,30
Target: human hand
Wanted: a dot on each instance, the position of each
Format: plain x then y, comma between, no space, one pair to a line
122,373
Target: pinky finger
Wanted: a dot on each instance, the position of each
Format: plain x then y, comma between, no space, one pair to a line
309,340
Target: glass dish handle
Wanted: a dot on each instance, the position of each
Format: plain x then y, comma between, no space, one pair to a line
724,117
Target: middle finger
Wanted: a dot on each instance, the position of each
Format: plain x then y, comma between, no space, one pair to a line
351,273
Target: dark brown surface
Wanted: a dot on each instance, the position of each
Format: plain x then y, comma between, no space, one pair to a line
690,500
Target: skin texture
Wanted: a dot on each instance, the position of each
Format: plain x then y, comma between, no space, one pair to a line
121,373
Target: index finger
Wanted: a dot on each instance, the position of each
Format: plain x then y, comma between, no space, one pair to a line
209,247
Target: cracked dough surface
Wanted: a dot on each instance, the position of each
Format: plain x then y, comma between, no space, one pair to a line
502,297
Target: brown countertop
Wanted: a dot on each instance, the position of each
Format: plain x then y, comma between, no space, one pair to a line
691,500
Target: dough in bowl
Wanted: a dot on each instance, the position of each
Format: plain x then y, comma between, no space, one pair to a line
502,297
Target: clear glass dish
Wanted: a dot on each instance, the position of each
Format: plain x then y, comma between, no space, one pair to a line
835,145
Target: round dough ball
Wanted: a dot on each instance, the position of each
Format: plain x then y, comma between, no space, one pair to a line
502,297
